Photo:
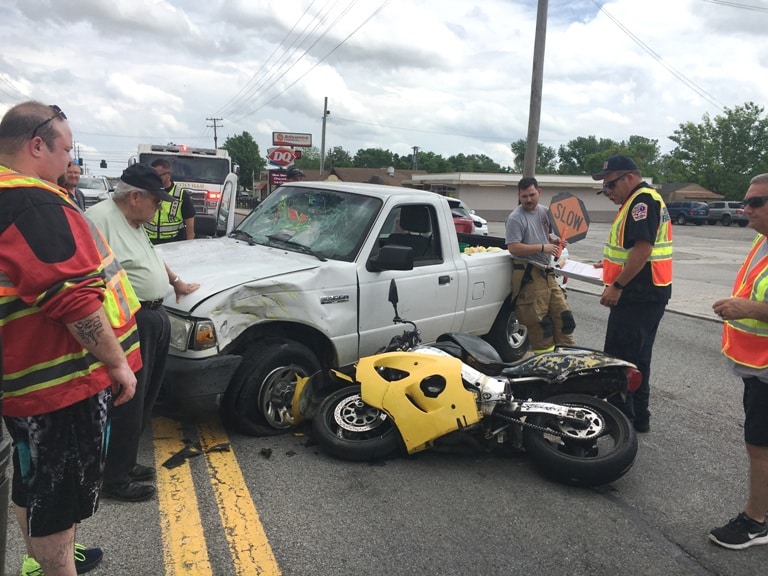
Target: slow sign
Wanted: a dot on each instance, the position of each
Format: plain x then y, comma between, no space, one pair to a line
569,217
280,156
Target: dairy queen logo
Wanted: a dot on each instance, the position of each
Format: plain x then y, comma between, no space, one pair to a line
280,156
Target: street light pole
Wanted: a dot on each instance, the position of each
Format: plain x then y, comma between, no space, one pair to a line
322,138
537,79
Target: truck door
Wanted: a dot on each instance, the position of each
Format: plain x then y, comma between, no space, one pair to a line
428,293
225,216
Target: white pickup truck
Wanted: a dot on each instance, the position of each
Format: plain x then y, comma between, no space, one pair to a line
302,283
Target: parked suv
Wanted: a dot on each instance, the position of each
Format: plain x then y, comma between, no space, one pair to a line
727,212
95,189
684,211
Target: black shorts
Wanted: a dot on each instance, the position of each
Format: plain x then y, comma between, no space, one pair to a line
755,410
58,462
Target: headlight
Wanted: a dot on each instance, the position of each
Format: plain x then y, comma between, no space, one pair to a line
189,334
180,331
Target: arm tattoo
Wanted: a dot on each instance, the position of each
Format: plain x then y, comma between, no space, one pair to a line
90,331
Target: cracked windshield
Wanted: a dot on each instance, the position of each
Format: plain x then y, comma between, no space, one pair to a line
328,224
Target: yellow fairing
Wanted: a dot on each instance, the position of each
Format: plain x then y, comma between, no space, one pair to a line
428,403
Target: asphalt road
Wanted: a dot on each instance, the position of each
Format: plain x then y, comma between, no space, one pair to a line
459,514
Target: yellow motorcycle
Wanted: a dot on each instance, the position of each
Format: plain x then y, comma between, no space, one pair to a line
411,397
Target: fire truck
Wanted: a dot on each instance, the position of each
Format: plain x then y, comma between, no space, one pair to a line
207,175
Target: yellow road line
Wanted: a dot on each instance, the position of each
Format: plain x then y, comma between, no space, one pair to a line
248,543
184,548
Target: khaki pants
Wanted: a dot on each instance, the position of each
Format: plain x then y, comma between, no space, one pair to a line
542,308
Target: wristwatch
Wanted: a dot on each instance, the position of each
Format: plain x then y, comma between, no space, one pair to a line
617,284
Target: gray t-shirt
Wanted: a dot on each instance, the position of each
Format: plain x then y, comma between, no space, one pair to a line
529,228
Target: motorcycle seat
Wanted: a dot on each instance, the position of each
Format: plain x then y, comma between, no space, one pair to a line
474,351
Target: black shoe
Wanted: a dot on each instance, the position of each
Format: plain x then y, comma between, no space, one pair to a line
642,426
86,559
741,532
130,492
142,473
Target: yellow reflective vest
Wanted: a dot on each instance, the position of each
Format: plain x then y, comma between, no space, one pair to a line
615,256
745,341
168,221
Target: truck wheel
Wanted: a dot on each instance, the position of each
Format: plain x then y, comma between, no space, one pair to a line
726,220
508,336
743,223
258,400
681,219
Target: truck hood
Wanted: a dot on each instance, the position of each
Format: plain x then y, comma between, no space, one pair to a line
221,264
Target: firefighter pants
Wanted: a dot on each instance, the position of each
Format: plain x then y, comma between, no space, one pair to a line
542,308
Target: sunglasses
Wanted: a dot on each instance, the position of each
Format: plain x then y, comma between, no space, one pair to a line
612,184
756,201
57,113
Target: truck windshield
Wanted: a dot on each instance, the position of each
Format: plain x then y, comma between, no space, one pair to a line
192,168
333,224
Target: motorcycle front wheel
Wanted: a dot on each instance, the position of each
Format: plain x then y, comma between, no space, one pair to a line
347,428
597,450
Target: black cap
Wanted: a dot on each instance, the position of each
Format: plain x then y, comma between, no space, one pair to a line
145,178
615,163
294,172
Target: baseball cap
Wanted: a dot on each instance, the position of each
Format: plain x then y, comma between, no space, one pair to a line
615,163
294,172
145,178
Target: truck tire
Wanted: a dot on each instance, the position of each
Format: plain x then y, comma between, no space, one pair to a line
726,220
258,400
508,336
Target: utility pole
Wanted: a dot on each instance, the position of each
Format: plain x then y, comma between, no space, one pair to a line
537,79
322,137
414,163
215,135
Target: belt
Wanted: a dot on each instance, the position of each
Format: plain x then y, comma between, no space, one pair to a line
151,304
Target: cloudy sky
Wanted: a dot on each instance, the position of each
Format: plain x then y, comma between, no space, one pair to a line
448,76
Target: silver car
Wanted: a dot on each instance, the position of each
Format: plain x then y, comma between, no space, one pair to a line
95,189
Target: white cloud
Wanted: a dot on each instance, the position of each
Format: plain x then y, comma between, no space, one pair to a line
447,76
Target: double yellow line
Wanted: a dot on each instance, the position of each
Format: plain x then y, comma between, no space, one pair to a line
184,547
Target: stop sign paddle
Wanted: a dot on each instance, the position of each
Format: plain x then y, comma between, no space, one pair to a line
569,217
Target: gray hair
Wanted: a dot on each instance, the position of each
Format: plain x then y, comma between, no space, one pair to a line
760,179
123,190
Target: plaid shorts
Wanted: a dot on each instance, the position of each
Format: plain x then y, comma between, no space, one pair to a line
58,463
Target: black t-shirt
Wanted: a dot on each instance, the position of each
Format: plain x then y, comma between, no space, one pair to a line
642,223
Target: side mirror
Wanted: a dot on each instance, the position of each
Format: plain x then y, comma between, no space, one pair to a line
391,257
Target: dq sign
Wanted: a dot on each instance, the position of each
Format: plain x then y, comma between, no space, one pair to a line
280,156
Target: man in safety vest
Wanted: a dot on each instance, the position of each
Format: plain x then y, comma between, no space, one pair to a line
637,274
70,341
176,218
745,345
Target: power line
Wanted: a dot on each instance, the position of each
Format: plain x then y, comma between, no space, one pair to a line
679,75
738,5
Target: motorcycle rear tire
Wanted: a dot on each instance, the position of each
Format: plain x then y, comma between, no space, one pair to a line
347,428
578,461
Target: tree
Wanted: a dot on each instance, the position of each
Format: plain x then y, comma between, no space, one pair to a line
337,157
310,158
245,152
374,158
546,157
723,153
472,163
580,156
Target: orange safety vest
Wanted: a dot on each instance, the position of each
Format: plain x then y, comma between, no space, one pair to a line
615,256
745,340
38,382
